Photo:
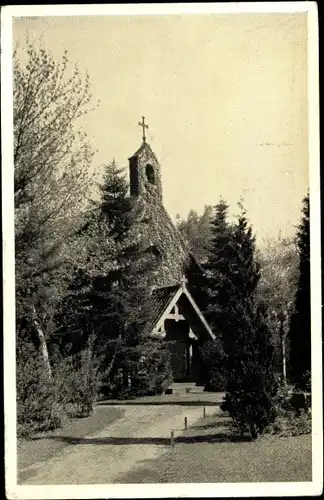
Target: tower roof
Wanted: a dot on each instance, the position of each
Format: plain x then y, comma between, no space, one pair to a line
145,148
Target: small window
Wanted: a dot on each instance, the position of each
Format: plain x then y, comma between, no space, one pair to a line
155,252
150,174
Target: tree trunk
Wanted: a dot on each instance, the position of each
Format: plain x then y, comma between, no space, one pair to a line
42,343
283,352
111,365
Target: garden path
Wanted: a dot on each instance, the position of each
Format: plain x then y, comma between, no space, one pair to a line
141,434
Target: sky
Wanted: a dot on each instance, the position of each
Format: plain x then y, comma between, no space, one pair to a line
224,95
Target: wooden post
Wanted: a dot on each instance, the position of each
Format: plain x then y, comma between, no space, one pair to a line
186,423
204,412
172,439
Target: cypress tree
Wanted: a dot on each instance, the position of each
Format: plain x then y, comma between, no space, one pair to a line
217,270
300,328
250,378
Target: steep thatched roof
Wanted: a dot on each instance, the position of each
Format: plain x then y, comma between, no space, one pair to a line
156,230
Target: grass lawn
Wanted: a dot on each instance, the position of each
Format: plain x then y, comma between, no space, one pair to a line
31,451
209,452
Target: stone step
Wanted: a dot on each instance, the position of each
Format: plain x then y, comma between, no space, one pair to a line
185,388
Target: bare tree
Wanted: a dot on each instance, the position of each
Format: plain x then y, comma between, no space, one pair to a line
277,286
52,179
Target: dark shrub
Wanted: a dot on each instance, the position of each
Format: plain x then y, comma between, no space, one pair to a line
77,382
213,366
37,404
153,374
251,385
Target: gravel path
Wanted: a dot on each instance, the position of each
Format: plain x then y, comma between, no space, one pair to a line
142,434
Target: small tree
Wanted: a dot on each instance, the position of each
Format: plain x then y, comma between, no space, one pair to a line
51,181
37,404
251,385
250,379
77,381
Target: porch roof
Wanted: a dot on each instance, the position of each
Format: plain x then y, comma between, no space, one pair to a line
164,299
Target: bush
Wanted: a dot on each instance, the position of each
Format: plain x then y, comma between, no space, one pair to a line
292,414
213,366
305,383
148,370
77,382
289,424
37,404
153,374
251,408
300,401
251,385
282,399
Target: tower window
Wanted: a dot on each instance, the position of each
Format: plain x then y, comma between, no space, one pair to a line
150,174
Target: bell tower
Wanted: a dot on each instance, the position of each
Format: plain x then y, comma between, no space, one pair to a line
145,172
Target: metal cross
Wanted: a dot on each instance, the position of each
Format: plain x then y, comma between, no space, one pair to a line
144,126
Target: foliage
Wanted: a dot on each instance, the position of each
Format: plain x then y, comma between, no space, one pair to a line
305,382
144,360
289,425
197,282
300,327
115,204
196,231
251,385
277,287
293,416
52,160
216,270
77,380
233,276
109,295
213,366
37,406
282,399
43,402
149,369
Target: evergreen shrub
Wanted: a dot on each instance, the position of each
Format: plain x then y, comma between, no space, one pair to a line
77,382
38,408
213,366
154,374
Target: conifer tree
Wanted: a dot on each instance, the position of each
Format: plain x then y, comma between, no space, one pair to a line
111,293
197,282
210,286
115,204
300,328
250,378
218,272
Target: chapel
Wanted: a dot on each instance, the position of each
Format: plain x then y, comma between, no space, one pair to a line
174,315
